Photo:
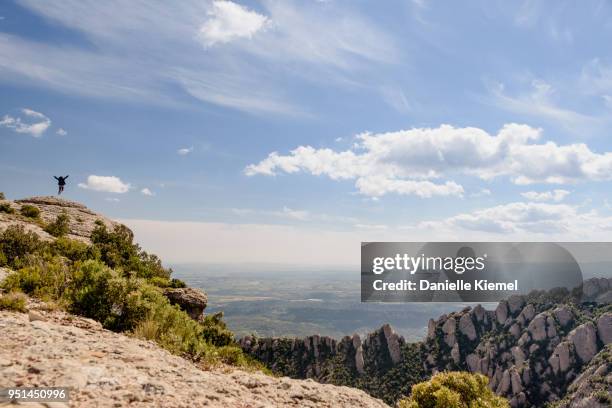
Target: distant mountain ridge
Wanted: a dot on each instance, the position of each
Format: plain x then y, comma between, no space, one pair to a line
535,349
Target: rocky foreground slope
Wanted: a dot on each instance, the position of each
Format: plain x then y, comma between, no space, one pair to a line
106,369
537,349
47,347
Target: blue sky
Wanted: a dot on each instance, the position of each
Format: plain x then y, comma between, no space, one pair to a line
288,132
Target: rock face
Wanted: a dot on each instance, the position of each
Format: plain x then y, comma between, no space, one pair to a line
314,356
598,290
105,369
593,387
191,300
531,347
82,221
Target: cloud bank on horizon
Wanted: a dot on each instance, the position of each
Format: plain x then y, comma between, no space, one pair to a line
344,120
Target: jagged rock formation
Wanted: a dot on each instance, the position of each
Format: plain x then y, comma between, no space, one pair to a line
106,369
191,300
81,219
592,388
531,347
313,356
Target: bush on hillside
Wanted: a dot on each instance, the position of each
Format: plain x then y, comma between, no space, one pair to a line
2,197
116,283
59,227
16,244
454,390
215,330
6,208
30,211
46,279
14,302
118,251
74,250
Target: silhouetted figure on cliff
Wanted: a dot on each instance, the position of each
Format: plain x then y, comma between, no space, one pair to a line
61,182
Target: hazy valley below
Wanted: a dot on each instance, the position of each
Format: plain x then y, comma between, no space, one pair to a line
288,303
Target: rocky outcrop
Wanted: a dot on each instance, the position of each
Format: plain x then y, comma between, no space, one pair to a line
191,300
598,290
106,369
593,387
531,347
81,220
315,356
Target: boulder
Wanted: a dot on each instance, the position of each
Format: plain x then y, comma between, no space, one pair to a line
537,327
393,343
449,328
191,300
466,326
604,328
528,312
518,355
431,329
560,359
455,353
479,313
501,313
564,315
515,303
584,339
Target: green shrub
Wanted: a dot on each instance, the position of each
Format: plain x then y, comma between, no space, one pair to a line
118,251
454,390
74,250
59,227
173,329
215,330
30,211
47,279
6,208
81,278
14,301
2,197
177,283
16,244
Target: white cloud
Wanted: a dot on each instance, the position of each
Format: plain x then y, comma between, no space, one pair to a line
230,21
108,184
34,123
185,151
554,195
147,192
61,132
523,221
112,199
411,161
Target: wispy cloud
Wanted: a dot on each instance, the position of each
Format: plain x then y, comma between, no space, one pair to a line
145,191
539,101
108,184
244,64
185,150
61,132
33,123
554,195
